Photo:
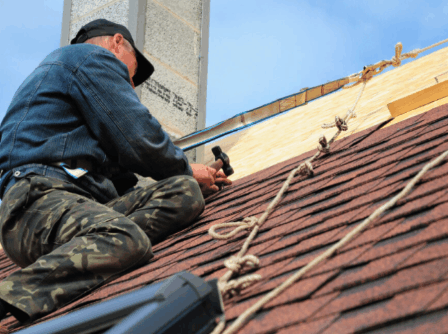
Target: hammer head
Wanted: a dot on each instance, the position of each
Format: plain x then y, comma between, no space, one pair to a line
219,154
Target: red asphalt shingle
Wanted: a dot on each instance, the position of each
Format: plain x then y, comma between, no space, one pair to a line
391,278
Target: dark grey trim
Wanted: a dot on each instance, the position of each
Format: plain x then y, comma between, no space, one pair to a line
136,25
65,31
203,68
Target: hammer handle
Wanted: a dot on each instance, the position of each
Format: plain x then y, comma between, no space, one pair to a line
217,164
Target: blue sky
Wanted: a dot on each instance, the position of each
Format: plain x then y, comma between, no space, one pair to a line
260,50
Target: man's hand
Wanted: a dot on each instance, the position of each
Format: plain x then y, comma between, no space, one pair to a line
209,178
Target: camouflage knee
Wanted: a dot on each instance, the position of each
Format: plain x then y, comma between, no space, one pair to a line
193,200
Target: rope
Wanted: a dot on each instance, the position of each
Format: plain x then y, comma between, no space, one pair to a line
235,263
430,47
341,124
371,70
247,223
274,293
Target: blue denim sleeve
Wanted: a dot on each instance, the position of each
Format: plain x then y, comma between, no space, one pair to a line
122,125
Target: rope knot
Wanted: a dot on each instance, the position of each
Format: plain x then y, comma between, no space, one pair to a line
323,146
234,287
306,168
340,124
396,60
251,221
368,73
235,264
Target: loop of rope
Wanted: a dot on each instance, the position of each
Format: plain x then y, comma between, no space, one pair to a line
396,61
247,223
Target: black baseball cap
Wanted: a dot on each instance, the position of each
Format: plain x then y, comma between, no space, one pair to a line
102,27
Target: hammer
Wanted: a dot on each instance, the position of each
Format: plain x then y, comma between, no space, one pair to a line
221,161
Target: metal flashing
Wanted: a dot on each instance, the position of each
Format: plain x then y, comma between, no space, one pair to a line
65,30
203,72
136,26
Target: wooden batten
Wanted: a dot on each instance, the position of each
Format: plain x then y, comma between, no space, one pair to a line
418,99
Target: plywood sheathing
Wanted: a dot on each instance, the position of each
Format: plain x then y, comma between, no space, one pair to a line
298,130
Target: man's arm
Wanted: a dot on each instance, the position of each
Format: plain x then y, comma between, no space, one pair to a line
121,123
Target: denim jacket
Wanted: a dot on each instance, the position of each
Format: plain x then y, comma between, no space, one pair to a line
79,104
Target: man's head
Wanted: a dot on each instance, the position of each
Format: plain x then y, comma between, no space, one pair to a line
121,48
117,39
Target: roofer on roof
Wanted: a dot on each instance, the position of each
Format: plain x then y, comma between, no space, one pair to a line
72,138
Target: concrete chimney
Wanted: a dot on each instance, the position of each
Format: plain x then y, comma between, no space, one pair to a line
174,37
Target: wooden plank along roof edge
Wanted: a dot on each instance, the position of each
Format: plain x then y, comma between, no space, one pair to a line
393,278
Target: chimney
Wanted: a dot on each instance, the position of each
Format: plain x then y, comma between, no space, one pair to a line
174,36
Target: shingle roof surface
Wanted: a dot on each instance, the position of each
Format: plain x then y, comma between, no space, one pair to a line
392,278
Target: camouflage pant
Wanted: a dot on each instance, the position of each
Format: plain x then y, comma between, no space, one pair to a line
69,244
